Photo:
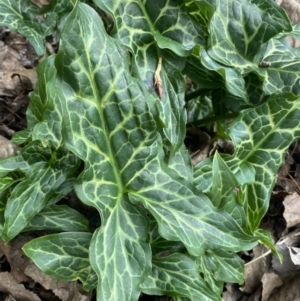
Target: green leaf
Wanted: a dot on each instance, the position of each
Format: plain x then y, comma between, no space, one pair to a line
159,245
222,193
266,239
239,42
57,6
168,43
58,218
177,275
21,16
240,28
38,98
244,172
186,215
224,266
45,182
262,136
21,136
202,11
44,109
122,263
202,76
64,256
8,180
144,27
281,71
234,82
182,165
109,125
12,163
198,108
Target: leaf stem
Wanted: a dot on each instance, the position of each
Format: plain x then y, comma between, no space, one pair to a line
196,93
211,119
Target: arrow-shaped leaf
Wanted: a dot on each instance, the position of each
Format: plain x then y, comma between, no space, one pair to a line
261,136
45,182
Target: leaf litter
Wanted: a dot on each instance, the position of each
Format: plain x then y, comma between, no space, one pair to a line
266,278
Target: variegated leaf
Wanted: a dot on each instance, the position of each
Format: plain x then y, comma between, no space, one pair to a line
64,256
153,30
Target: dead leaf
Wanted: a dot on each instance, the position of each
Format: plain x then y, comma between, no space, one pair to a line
7,148
66,291
287,267
256,296
233,292
289,291
295,255
16,257
292,210
254,271
269,281
9,285
292,8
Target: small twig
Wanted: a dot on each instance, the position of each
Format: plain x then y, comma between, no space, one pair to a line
7,130
294,181
157,79
280,242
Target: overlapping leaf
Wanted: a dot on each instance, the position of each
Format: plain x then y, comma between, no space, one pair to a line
261,137
144,27
64,256
240,28
45,182
202,11
238,32
280,68
222,192
184,216
177,275
58,218
110,123
222,266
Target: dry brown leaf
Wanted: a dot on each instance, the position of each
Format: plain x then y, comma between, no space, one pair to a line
16,257
292,8
7,148
292,210
66,291
295,255
233,292
9,83
254,271
289,291
256,296
287,267
9,285
269,281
